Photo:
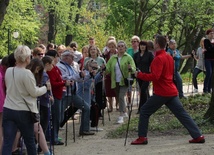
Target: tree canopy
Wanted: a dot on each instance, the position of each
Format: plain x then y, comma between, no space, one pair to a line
43,21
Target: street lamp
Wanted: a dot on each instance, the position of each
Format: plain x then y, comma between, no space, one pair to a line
15,35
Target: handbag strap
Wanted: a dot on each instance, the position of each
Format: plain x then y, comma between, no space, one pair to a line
18,90
120,68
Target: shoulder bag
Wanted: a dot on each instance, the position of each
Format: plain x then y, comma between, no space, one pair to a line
35,117
126,81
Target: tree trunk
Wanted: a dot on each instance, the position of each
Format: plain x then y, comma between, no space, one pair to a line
3,7
172,20
69,37
79,6
138,17
162,20
193,40
51,32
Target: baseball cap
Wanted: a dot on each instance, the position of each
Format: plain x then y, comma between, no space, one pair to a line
68,53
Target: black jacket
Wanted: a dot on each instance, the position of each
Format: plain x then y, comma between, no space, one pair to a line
209,53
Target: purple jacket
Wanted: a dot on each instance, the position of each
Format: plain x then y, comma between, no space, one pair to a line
2,87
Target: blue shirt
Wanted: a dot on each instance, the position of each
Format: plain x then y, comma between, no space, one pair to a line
44,99
177,57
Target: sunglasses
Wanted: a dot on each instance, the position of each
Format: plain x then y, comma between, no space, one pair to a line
40,54
94,68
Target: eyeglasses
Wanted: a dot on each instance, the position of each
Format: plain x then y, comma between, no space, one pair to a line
120,46
134,41
94,68
40,54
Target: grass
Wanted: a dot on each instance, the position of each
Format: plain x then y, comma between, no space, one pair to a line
187,78
164,122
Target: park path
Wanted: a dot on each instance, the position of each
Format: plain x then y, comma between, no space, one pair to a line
99,144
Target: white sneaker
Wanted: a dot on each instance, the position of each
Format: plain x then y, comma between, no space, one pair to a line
120,120
125,115
95,129
78,111
195,90
61,128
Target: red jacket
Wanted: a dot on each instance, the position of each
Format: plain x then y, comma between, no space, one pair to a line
57,82
162,69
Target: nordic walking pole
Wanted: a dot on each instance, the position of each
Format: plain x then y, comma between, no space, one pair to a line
66,125
104,96
190,75
193,66
38,105
127,129
137,88
83,95
50,125
72,104
129,87
190,72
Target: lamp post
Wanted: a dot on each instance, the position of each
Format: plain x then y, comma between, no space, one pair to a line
8,41
15,35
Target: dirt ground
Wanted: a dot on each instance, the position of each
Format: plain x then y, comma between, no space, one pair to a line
99,144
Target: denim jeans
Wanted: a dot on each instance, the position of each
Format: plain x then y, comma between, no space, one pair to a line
175,106
86,93
56,119
78,102
194,78
209,64
13,120
179,84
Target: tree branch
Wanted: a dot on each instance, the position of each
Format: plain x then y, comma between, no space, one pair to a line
3,7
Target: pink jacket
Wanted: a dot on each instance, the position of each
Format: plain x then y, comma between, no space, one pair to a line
2,87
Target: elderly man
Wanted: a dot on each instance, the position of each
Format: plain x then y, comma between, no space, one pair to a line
71,99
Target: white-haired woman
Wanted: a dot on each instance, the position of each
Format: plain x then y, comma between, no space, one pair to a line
20,101
119,66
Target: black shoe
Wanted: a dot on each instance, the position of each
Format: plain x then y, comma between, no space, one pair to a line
39,150
86,133
58,143
18,151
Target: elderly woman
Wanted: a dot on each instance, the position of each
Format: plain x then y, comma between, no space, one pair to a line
99,93
20,101
177,56
110,93
119,66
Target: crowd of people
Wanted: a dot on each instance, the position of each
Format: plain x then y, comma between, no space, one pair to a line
59,81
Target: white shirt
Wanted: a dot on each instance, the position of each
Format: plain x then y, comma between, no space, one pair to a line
118,71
